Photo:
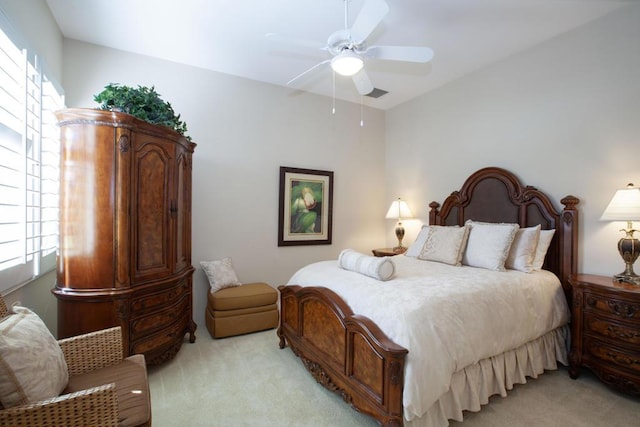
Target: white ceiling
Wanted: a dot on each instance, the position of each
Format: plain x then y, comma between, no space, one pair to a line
229,36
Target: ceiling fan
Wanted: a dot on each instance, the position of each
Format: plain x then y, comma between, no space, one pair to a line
348,47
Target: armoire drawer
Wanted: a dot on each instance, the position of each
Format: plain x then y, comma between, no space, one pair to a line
157,300
165,337
159,319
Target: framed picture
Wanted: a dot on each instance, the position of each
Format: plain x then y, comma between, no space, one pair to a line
305,211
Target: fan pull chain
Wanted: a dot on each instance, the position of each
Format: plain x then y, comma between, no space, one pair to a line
346,14
333,108
361,111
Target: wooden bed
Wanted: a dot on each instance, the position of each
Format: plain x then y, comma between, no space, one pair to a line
349,354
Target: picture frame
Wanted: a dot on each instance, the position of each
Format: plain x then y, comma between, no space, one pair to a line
305,207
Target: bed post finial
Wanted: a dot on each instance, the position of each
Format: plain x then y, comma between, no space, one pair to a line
434,213
570,202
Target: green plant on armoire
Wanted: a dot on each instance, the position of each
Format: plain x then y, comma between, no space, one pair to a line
142,102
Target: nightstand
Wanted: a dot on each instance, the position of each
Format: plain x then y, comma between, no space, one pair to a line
388,251
605,331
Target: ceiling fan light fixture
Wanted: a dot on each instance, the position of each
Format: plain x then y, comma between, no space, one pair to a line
347,63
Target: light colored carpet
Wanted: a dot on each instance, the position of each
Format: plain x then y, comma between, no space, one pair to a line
249,381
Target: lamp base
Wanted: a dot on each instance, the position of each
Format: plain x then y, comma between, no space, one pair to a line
629,249
399,235
627,278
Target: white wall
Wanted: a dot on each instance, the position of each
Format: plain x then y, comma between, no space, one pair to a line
35,23
246,130
564,116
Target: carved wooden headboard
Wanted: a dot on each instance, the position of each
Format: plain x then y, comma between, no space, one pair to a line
496,195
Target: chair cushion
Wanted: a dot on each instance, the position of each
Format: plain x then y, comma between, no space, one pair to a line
247,295
130,377
27,352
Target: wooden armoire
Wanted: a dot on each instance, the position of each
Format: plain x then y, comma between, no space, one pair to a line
125,231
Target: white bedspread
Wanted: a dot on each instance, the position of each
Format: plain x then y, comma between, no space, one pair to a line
447,317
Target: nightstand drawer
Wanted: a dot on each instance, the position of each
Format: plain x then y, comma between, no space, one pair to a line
626,359
615,307
617,331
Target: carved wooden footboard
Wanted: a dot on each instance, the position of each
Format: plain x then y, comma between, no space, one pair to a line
346,353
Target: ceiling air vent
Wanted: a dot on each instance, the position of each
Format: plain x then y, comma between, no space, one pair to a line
376,93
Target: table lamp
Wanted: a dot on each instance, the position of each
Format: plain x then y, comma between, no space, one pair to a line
399,210
625,206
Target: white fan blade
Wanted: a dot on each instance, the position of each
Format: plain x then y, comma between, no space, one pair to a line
363,83
370,16
400,53
290,41
299,76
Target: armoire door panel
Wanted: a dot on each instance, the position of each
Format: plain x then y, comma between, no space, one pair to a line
182,213
152,205
86,251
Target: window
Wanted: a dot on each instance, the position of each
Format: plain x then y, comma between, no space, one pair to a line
29,164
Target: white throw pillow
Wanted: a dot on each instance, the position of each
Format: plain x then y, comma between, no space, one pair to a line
444,244
543,246
488,244
220,274
523,249
32,365
380,268
416,246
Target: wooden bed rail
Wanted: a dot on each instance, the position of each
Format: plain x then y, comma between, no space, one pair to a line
346,353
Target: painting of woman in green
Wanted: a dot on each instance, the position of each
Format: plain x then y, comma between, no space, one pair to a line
306,207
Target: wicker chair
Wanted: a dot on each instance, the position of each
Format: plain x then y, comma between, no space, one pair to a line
93,406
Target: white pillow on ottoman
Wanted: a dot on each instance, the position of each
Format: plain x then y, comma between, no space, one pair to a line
32,365
220,274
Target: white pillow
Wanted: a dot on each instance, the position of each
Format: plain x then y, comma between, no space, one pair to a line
541,250
220,274
488,244
444,244
32,365
416,246
380,268
523,249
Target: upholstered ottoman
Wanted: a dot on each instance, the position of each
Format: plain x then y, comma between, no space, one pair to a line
241,309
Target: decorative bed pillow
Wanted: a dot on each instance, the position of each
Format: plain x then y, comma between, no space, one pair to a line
488,244
523,249
543,246
380,268
416,246
220,274
444,244
32,365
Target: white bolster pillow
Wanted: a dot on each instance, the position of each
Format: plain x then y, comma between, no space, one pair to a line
376,267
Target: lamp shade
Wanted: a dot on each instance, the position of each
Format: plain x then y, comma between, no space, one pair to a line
347,63
398,210
624,206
